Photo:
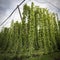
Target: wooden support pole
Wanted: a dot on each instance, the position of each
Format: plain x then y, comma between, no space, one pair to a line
19,12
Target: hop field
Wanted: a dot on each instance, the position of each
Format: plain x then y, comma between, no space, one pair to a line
36,37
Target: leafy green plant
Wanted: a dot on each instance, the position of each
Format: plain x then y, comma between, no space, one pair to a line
36,34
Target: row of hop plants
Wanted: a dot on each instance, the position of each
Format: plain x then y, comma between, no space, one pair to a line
58,36
34,35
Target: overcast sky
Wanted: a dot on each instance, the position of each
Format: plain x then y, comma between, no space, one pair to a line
7,6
